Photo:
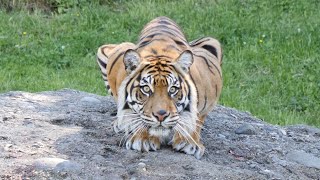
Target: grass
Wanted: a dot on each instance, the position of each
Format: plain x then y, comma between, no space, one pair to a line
271,49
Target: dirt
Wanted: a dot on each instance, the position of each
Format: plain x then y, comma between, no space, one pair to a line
67,134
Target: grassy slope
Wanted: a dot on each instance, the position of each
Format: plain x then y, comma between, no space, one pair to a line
271,49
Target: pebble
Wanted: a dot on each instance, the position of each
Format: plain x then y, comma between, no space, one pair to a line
7,147
282,132
35,146
5,118
246,129
221,136
142,166
304,158
90,100
47,163
67,166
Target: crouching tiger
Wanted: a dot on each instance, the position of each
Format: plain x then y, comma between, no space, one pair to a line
163,85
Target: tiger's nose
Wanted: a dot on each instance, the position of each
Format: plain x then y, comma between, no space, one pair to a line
161,115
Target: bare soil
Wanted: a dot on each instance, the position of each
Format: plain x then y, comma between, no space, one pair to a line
67,134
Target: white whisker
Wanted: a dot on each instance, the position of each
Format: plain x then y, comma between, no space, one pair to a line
187,134
131,133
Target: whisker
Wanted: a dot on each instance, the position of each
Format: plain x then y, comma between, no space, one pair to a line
197,124
126,125
186,133
126,115
132,132
139,130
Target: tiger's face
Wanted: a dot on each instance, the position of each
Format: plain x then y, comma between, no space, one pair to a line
157,96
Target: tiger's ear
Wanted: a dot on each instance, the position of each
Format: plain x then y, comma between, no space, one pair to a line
131,60
185,60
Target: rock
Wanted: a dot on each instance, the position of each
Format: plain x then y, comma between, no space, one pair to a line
77,127
35,146
282,132
47,163
247,129
8,147
304,158
221,136
90,100
67,166
142,166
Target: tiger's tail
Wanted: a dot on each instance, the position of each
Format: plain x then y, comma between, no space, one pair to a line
102,60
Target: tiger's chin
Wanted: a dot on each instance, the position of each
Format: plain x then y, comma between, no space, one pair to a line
160,132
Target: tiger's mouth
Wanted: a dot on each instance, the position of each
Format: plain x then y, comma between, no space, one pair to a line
159,131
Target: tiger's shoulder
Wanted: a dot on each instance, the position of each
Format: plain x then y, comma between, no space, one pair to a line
160,38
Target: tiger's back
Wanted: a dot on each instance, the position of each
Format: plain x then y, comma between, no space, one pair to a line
163,38
160,44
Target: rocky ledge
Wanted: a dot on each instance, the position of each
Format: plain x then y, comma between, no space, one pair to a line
67,134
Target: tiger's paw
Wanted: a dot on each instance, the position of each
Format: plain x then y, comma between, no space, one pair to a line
143,144
189,147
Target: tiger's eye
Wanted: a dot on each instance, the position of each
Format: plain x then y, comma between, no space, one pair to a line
172,90
146,89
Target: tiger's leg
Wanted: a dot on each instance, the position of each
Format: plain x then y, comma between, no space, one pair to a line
190,143
142,141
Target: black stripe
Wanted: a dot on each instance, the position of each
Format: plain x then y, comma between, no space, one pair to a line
187,108
102,63
116,51
195,41
171,46
180,43
204,52
169,22
103,52
205,101
149,36
211,49
206,61
216,90
114,62
154,51
163,27
144,43
173,34
164,21
209,67
103,74
200,42
126,106
164,56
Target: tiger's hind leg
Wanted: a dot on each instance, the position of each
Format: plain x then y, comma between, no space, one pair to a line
190,143
102,60
210,45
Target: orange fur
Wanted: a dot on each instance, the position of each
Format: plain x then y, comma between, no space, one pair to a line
163,76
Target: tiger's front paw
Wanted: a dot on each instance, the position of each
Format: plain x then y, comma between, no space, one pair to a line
191,147
143,143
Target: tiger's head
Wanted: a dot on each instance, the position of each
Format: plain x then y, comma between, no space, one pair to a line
158,95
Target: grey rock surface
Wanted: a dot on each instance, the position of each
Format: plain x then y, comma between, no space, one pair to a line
304,158
75,128
246,129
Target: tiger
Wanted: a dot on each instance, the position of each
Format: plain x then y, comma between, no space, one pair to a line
164,87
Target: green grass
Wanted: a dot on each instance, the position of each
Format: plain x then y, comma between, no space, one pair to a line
271,49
